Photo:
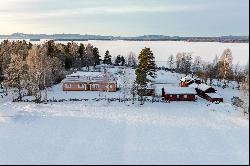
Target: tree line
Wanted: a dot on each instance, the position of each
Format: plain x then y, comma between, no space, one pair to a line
221,68
31,68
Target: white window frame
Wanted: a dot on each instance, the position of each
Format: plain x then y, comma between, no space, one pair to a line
83,85
96,86
68,85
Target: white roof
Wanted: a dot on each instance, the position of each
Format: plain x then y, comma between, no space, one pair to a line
194,85
187,78
89,77
203,87
82,73
174,89
214,95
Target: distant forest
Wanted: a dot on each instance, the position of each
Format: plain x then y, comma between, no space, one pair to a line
79,37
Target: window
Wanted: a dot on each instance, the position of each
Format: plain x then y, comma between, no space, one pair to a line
67,85
81,86
185,96
96,86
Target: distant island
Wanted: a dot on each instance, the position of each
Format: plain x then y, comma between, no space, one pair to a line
79,37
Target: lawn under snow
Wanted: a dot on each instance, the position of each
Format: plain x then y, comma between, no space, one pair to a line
92,132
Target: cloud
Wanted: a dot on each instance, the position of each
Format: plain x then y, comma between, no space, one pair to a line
35,12
128,9
101,15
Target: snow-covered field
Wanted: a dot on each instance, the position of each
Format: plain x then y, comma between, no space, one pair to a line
101,133
91,132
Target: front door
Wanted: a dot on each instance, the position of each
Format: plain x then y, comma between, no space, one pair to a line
88,87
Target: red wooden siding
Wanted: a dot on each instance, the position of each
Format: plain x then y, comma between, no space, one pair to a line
181,97
83,86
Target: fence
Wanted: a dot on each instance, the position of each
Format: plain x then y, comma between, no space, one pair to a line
109,100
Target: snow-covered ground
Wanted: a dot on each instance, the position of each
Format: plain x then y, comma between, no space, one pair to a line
91,132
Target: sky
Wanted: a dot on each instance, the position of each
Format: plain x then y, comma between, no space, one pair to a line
126,18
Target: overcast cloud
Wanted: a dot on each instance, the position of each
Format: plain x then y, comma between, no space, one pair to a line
133,17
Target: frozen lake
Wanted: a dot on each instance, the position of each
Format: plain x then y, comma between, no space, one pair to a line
163,49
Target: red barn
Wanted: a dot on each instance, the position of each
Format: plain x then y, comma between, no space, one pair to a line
173,93
180,94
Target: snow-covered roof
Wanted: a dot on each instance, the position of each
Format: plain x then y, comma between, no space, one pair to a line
204,87
214,95
174,90
180,90
187,78
89,77
194,85
82,73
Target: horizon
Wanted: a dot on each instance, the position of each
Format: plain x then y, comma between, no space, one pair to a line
63,33
206,18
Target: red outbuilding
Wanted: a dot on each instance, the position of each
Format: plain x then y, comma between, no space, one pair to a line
208,93
174,93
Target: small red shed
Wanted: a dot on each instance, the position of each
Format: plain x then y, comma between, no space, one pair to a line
188,80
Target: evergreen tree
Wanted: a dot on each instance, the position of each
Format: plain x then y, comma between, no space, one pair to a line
72,54
118,60
152,65
97,57
51,48
145,68
142,82
81,50
107,58
123,61
187,66
82,53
